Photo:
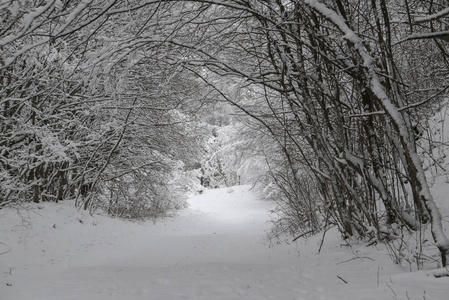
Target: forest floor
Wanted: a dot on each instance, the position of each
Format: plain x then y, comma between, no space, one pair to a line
215,249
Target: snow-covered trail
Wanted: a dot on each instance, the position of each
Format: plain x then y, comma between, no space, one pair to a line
213,250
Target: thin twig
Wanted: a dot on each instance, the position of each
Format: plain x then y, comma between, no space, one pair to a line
357,257
5,252
339,277
392,291
322,239
378,273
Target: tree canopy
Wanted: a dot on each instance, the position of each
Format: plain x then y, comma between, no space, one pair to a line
100,102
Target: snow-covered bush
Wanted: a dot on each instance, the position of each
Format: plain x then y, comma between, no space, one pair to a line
85,118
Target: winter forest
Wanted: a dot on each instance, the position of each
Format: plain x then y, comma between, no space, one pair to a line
326,108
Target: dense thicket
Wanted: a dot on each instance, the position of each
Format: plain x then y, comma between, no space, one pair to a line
85,117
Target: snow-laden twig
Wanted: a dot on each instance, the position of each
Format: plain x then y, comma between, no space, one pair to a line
27,23
432,17
444,35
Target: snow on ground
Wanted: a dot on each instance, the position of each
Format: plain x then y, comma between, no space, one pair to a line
213,250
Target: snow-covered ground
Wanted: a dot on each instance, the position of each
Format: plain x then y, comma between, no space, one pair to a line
215,249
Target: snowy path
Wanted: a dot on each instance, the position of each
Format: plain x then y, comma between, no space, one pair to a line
213,250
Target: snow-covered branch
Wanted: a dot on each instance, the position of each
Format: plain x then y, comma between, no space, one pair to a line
441,14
